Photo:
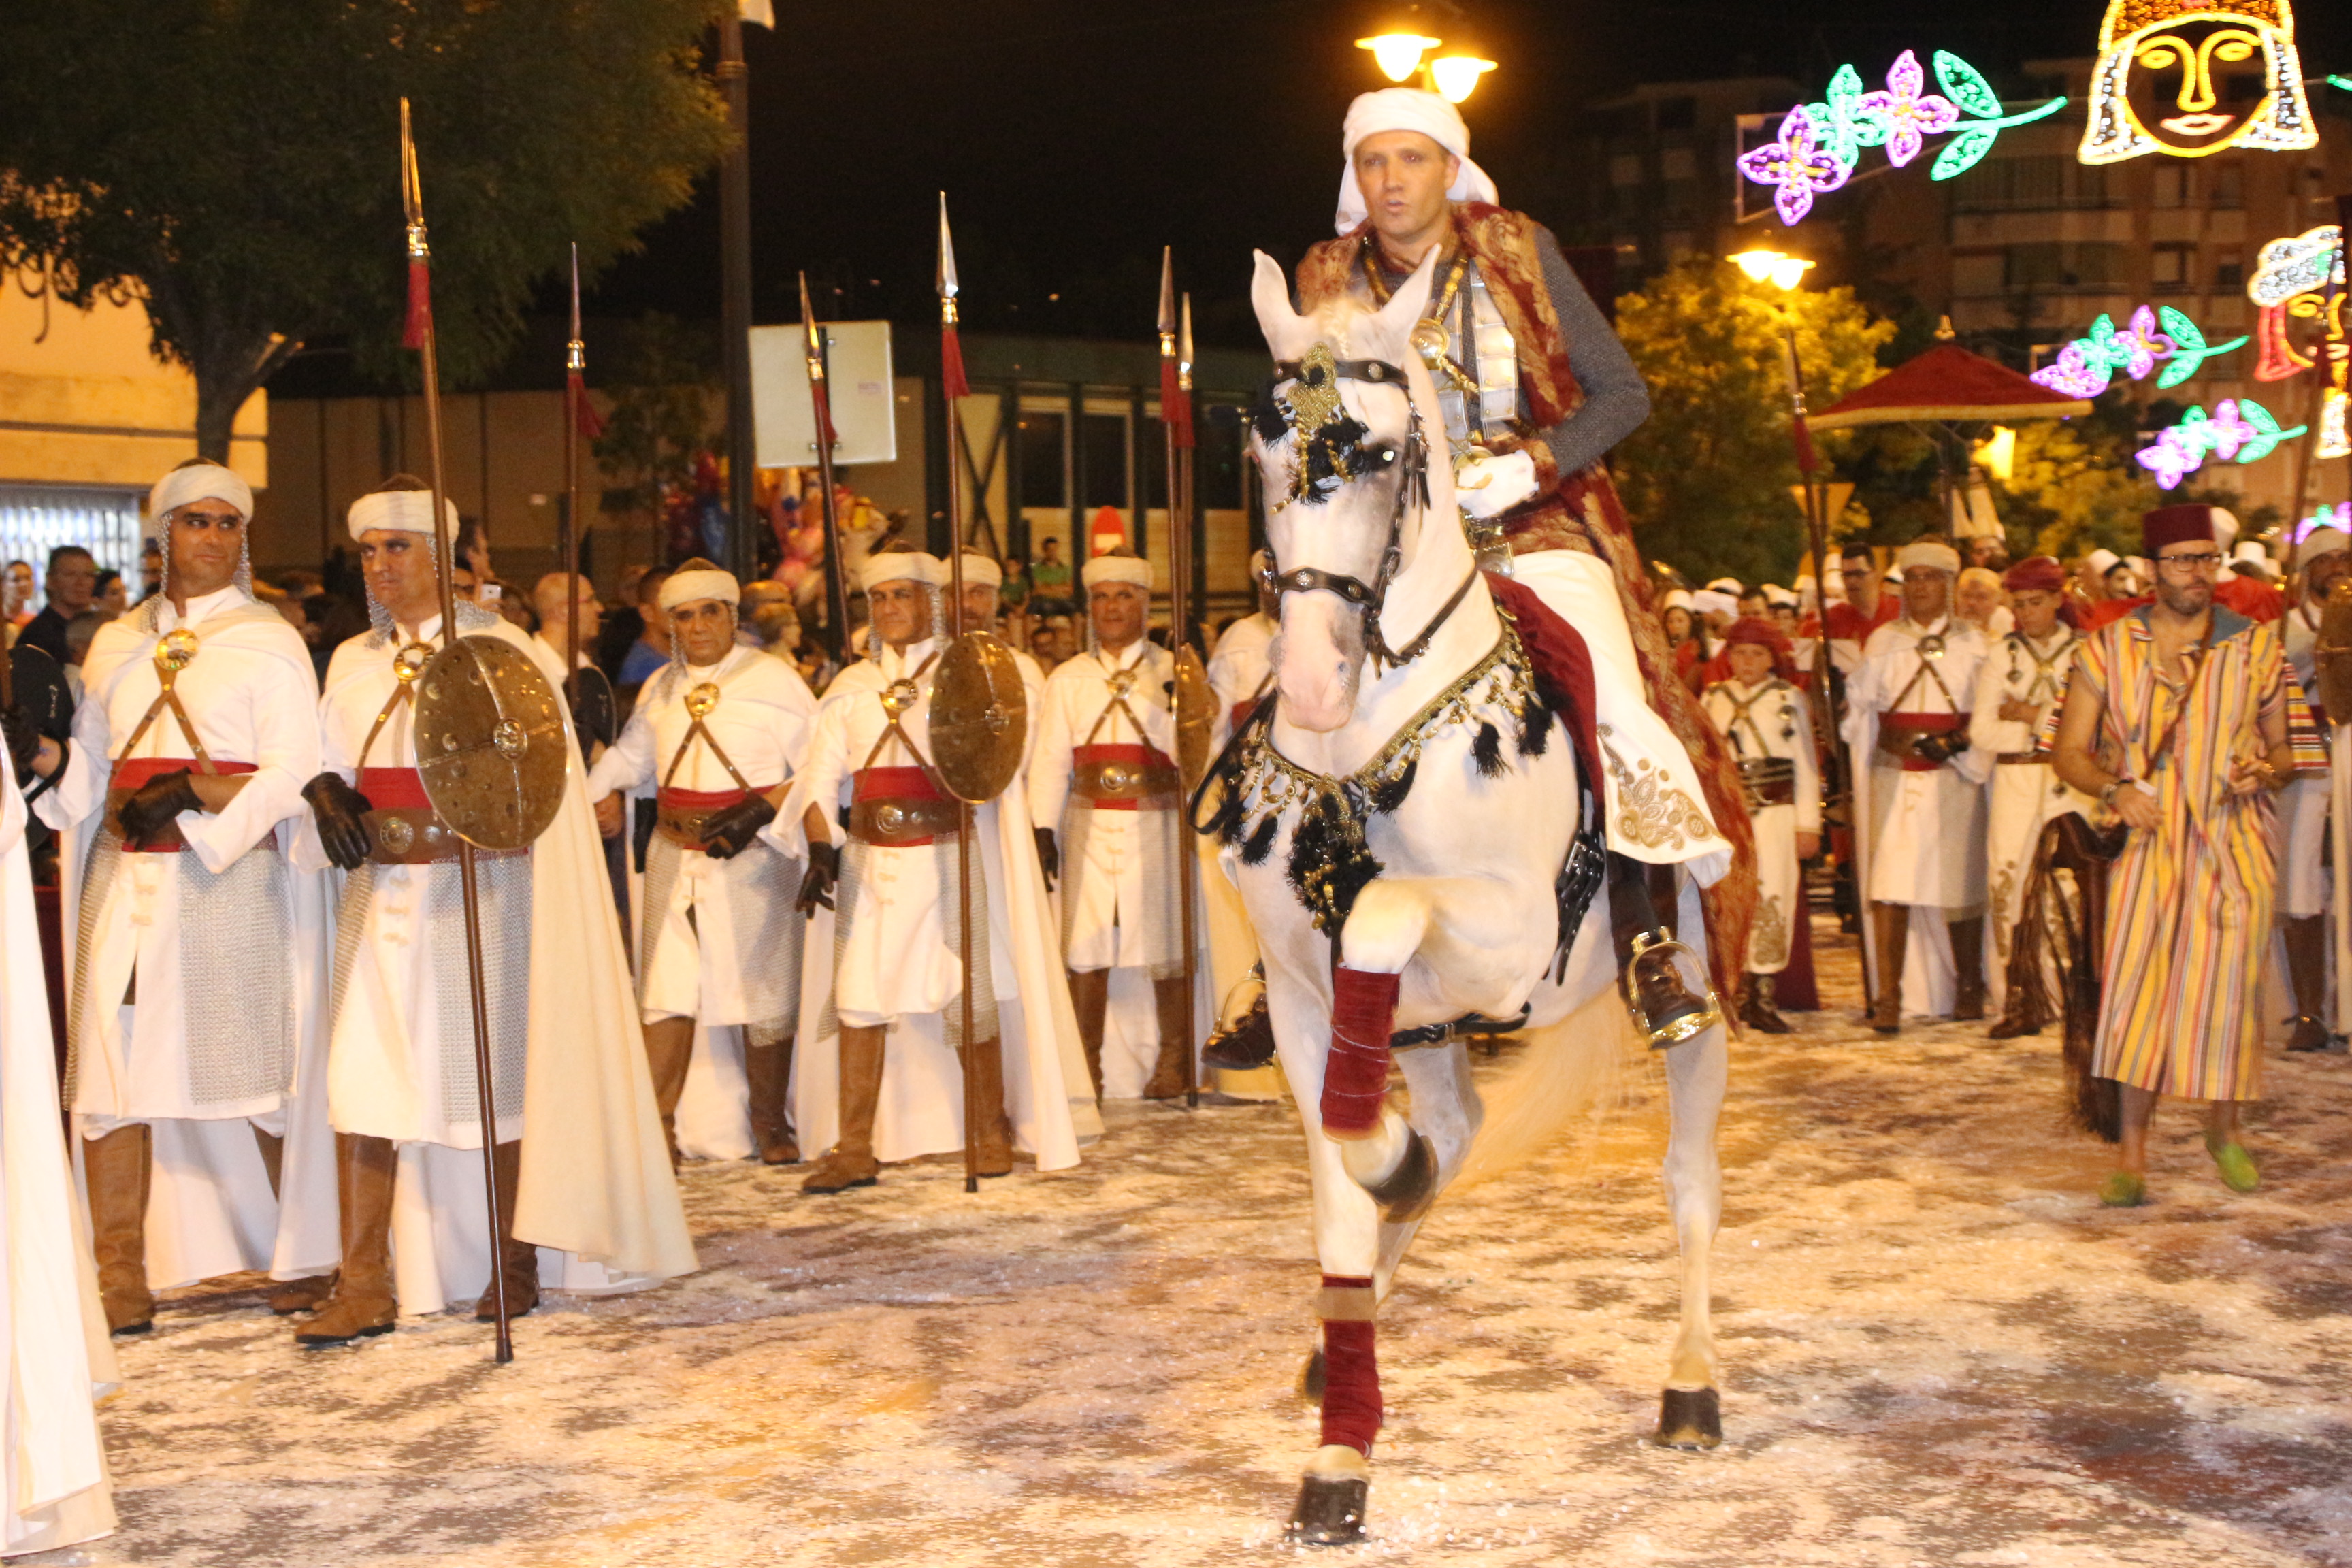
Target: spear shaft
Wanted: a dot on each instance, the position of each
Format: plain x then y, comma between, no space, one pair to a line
951,387
1176,431
836,591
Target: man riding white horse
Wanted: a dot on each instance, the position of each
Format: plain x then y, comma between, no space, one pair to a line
1419,858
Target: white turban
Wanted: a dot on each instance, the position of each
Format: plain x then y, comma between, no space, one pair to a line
400,512
2225,528
1776,594
1731,585
1713,602
1931,554
699,580
982,570
1117,569
2103,561
1406,108
1675,599
900,566
2318,541
200,482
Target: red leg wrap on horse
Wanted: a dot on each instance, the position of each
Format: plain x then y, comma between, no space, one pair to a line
1356,1072
1352,1375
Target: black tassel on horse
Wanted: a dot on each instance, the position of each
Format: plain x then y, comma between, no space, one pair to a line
1330,862
1534,730
1487,750
1260,843
1390,793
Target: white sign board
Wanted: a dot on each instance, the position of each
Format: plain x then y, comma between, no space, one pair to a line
857,375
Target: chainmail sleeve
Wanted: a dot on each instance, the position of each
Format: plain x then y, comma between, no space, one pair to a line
1616,400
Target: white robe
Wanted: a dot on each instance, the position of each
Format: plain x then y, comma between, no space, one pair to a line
763,721
54,1490
1925,830
251,693
596,1192
1777,723
2023,797
898,967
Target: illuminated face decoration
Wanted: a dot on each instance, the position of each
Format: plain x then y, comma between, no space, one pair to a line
2192,77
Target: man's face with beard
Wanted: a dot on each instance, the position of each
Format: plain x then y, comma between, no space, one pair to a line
2185,570
1926,591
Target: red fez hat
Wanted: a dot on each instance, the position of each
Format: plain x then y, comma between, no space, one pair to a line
2174,525
1754,631
2035,574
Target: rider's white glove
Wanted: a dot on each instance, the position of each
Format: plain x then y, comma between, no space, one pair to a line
1487,487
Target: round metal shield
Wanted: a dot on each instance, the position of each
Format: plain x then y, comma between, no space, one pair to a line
1196,717
489,742
980,717
2335,652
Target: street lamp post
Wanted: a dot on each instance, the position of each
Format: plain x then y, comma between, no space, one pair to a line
1404,51
1786,274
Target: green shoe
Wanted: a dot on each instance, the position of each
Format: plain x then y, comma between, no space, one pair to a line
2237,1168
2123,1190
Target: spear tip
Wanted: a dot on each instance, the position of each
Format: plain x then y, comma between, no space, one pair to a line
1167,290
946,278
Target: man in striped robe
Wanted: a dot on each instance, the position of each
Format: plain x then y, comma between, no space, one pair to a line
2184,718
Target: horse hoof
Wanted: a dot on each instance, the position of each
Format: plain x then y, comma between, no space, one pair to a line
1689,1418
1330,1511
1310,1379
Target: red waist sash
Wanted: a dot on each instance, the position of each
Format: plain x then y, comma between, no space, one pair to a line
1123,777
1922,724
132,773
900,808
394,789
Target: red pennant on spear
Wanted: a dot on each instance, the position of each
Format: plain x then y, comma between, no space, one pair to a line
575,365
418,326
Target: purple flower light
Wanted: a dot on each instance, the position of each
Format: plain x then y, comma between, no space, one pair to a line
1795,167
2172,458
2073,374
1908,114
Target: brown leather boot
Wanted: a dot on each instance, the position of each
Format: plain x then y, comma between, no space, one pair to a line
362,1303
1171,1075
517,1260
1756,1008
2306,969
1894,929
669,1048
850,1161
117,1167
992,1149
1090,999
768,1072
1967,969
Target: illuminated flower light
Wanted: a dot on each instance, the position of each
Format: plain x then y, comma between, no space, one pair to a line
2085,367
1816,138
2338,516
2075,373
1795,167
1909,115
2242,429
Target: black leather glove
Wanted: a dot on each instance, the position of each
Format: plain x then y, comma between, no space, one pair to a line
153,804
823,871
729,831
1942,746
343,825
1049,857
24,738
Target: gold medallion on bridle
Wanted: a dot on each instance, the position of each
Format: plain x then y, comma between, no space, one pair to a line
701,699
490,747
1314,398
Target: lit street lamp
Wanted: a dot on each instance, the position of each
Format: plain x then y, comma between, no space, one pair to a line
1401,51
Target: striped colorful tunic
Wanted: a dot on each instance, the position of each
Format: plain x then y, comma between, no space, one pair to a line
2188,903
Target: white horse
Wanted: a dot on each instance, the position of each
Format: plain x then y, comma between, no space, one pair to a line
1397,832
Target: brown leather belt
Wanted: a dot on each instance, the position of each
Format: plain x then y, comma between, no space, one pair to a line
680,815
418,836
1899,735
901,822
2012,759
1127,783
1768,781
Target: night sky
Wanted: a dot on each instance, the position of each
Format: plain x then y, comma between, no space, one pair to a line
1075,137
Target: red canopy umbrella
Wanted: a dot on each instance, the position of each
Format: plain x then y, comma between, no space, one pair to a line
1945,388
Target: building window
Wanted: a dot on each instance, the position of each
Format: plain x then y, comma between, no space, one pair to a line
2005,183
1978,276
2225,184
2172,269
2170,185
2096,266
2031,267
1104,461
1625,169
1677,113
1044,459
1678,164
2230,272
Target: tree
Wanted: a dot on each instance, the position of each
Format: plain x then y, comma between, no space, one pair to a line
234,164
1707,478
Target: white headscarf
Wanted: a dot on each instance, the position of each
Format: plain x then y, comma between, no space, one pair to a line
900,566
400,512
200,482
982,570
687,584
1931,554
1406,108
1117,569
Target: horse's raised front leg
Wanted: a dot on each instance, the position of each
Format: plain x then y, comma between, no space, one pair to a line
1690,1412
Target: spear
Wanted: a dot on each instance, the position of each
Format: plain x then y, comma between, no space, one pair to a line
579,422
836,593
418,335
1176,428
953,385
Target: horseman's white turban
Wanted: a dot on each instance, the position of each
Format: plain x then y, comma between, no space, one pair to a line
1933,554
1117,569
2320,542
200,482
982,570
1731,585
1406,108
900,566
698,579
400,512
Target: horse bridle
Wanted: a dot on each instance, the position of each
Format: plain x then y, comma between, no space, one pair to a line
1368,596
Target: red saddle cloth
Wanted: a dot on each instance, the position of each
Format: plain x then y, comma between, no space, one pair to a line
1563,668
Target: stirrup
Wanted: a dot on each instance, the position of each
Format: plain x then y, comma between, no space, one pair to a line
1670,1031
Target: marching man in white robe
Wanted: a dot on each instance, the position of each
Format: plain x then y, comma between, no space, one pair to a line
54,1490
2323,557
198,976
2023,677
1771,727
881,1017
1923,820
577,1144
721,732
1104,776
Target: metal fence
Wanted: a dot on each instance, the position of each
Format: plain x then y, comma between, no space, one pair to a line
36,519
